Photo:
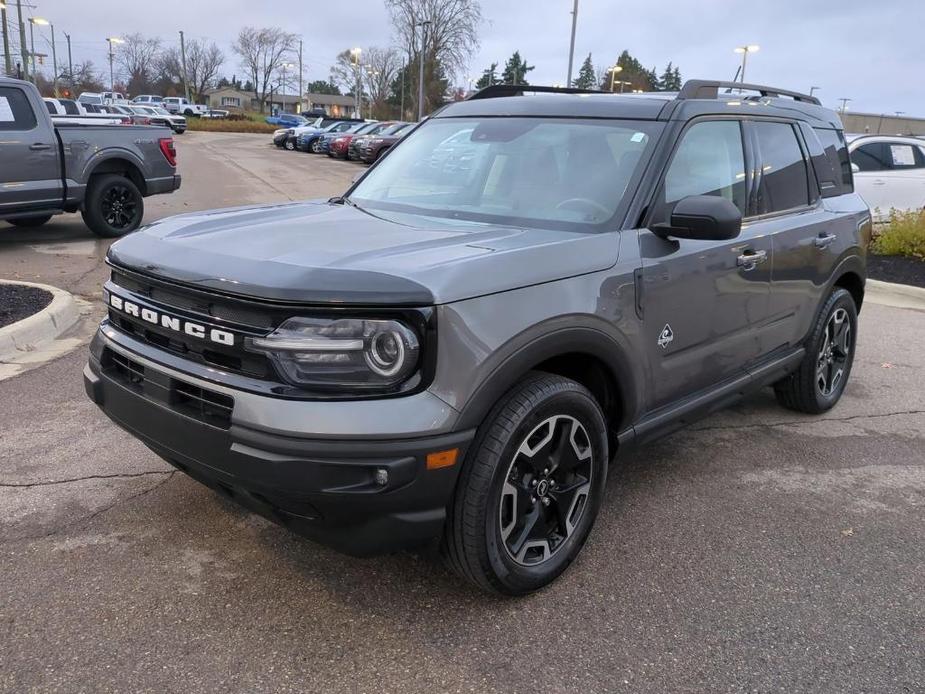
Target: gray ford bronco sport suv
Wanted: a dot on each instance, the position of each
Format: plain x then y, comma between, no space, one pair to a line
530,282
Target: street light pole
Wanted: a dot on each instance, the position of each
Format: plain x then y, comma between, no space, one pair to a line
23,47
745,50
70,62
571,49
421,53
112,82
355,52
32,43
844,104
812,90
54,59
613,73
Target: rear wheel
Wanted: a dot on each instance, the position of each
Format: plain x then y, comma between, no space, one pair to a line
30,222
820,380
530,489
113,207
316,146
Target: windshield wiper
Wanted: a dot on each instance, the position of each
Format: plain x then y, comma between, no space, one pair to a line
342,200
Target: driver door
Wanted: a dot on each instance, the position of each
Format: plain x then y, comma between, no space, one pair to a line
702,299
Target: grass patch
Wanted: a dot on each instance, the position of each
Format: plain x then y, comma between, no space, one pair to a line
227,125
903,235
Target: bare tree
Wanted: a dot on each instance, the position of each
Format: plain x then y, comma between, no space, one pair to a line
345,71
262,52
202,64
380,67
452,35
453,31
137,57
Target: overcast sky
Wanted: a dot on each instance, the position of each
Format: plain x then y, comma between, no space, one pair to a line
871,52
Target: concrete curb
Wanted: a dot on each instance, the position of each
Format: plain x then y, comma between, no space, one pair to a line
29,334
897,295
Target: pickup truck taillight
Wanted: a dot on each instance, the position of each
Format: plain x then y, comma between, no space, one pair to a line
168,150
143,121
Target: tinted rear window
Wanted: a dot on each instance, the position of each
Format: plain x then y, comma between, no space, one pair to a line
836,154
784,183
15,111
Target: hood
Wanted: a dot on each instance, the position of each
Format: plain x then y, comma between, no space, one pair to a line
319,252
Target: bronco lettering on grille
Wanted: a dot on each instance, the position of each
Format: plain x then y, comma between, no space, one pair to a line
180,325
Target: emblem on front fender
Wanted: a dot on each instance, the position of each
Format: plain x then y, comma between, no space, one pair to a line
666,336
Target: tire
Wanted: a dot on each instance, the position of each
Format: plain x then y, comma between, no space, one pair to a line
29,222
290,145
820,380
316,146
113,207
508,485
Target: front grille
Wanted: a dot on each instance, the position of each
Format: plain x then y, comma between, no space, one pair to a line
202,404
200,307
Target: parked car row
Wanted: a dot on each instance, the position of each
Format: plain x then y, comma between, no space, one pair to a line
174,105
343,139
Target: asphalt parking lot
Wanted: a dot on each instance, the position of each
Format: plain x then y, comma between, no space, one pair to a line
758,550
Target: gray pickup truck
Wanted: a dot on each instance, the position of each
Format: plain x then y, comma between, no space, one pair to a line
104,171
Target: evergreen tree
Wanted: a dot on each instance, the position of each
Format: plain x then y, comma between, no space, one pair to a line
632,76
489,77
670,81
515,70
586,75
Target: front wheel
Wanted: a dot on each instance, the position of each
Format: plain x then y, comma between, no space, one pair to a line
290,145
113,207
316,146
530,488
820,380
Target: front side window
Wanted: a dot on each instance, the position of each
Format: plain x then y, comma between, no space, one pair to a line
784,181
709,160
554,173
871,157
15,111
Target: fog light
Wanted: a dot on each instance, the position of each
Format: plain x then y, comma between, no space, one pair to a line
381,476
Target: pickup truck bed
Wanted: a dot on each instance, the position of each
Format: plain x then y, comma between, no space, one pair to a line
52,166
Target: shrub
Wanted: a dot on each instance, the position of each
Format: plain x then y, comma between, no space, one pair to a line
903,235
228,125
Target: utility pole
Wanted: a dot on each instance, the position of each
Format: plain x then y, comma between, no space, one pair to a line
844,104
571,49
54,59
23,47
300,77
183,57
7,59
421,53
70,63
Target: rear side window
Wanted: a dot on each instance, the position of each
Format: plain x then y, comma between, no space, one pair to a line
51,108
70,108
709,160
836,153
784,181
15,111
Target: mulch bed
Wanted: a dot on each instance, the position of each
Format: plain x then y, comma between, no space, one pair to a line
18,302
896,268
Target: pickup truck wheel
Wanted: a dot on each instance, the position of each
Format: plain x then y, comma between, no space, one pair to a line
29,221
530,488
113,206
820,380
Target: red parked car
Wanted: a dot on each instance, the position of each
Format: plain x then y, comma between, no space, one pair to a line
340,145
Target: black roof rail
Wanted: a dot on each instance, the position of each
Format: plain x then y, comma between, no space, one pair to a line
709,89
498,90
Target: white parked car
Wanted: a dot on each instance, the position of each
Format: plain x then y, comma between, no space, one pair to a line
889,172
70,111
148,100
177,104
101,98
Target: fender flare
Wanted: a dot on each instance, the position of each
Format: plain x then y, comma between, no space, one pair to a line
108,155
557,337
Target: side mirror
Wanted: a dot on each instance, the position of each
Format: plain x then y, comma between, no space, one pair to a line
703,218
855,168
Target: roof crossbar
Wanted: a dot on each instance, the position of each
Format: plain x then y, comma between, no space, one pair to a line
709,89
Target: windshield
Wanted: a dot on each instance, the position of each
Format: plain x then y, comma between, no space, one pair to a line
533,172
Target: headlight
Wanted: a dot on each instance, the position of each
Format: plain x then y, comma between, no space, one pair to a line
338,353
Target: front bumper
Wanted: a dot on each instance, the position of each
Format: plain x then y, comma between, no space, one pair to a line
322,486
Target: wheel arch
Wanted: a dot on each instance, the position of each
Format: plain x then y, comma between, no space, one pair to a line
851,279
584,354
121,165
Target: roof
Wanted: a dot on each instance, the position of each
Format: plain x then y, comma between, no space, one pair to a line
330,99
697,97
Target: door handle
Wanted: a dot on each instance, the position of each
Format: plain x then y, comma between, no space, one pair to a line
750,259
39,146
879,182
824,240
